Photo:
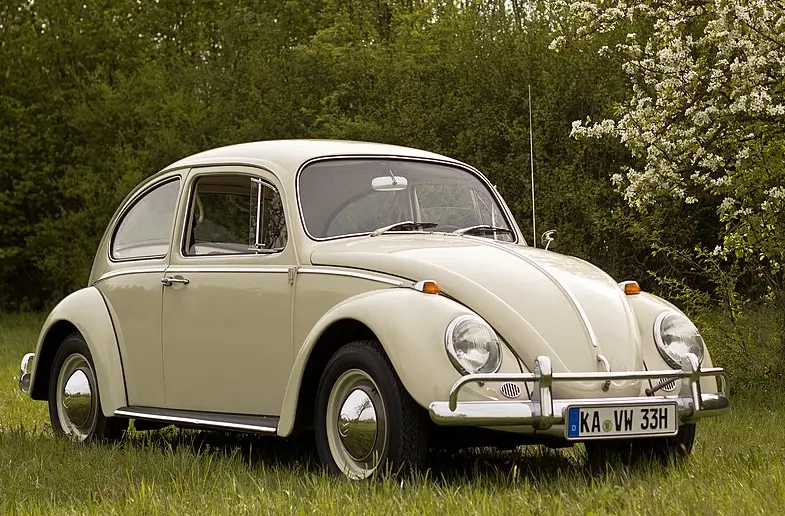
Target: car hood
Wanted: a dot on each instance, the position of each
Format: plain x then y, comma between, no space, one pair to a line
540,302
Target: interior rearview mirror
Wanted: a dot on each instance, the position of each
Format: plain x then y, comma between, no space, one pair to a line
389,183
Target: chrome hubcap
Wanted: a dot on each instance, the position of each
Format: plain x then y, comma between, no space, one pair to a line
75,393
356,424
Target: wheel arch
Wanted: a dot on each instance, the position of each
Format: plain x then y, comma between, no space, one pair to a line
52,339
403,321
85,312
333,338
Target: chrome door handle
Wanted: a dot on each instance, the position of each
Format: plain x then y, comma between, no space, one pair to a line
168,280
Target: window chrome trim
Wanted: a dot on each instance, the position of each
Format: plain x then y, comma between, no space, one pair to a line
268,269
350,274
131,204
468,168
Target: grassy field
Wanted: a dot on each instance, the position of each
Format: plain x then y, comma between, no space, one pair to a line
736,468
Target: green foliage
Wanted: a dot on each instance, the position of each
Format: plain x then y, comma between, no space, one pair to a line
96,97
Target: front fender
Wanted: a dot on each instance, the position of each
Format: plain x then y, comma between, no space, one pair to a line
410,326
86,310
647,307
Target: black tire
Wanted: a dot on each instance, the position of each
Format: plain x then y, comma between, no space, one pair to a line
633,451
401,432
74,354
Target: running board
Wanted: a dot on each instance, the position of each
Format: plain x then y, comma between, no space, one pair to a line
214,420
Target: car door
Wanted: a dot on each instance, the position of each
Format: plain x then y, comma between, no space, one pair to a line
227,301
131,285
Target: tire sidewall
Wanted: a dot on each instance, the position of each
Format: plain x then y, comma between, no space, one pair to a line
347,358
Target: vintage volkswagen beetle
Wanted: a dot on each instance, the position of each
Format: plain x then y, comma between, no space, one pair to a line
380,297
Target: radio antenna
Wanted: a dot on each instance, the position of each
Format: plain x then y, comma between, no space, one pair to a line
531,154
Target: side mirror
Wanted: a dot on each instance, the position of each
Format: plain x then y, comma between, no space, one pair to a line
548,237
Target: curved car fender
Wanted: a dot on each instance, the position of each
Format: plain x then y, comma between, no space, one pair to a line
87,311
410,326
647,307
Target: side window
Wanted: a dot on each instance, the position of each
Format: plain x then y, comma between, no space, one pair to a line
225,213
145,230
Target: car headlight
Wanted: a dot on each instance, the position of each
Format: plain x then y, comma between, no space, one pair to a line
676,336
472,345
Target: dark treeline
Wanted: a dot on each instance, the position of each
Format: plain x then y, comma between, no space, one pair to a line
95,96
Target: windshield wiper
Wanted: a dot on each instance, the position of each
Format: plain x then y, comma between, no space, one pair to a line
481,228
404,224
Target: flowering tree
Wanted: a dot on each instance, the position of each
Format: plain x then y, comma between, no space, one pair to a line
705,120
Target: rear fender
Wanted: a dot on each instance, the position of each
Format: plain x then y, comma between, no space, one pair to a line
85,311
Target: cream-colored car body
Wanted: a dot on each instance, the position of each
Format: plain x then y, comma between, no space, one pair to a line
238,337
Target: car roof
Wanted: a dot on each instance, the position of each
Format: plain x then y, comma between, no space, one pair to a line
289,155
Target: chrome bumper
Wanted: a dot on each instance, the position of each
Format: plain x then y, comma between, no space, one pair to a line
543,411
24,377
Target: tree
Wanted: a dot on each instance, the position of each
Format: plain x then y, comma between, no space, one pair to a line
703,119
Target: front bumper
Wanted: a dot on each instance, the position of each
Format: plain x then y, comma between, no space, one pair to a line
543,412
24,377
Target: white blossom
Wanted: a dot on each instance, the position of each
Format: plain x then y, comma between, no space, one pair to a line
706,106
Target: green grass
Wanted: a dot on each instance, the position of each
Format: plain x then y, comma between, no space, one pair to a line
736,468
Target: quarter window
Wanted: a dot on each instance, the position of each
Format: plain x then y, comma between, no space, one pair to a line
234,215
146,229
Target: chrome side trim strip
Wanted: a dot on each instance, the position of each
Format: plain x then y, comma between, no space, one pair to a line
132,270
266,269
350,274
207,420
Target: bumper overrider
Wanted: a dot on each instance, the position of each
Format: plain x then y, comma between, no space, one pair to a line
24,377
543,412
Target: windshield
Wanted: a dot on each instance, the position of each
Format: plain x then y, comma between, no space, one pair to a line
356,196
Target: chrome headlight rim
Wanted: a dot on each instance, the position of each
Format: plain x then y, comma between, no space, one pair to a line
661,346
449,343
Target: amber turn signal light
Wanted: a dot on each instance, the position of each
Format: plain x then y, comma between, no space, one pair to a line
427,287
631,287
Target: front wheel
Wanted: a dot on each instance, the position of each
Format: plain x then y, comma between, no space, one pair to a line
74,400
365,421
632,451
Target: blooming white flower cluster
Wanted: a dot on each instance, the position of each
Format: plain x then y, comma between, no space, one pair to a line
706,114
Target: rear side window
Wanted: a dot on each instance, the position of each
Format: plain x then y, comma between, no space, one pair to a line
145,230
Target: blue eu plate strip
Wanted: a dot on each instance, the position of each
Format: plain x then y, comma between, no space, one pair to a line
573,422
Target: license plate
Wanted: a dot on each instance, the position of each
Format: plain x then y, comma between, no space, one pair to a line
599,421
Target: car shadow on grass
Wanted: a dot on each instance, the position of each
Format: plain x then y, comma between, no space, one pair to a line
535,464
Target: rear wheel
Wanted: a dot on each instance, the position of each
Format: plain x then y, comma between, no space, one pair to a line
74,400
365,421
631,451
